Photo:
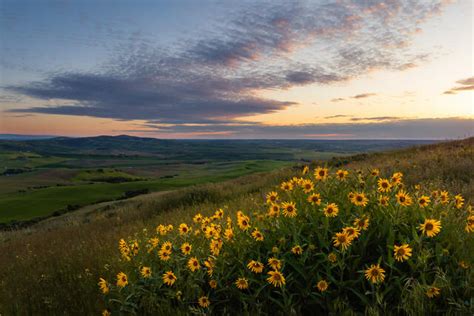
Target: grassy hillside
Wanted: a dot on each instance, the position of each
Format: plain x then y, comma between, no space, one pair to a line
55,271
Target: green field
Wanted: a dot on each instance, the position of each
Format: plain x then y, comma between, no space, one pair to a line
42,178
45,201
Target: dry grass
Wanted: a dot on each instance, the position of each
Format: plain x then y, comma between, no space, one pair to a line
54,270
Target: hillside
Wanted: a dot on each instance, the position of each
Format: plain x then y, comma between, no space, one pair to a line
60,175
47,270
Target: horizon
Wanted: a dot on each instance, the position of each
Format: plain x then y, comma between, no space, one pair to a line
27,137
237,70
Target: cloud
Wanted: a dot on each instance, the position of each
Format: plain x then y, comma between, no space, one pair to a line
216,78
337,116
429,128
363,95
467,81
337,99
466,85
376,118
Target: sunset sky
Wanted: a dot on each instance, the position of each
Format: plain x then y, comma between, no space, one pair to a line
237,69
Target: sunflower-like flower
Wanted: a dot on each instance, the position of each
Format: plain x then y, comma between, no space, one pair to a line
257,235
183,229
362,223
297,250
186,248
431,227
243,221
383,200
424,200
289,209
169,278
384,185
444,197
352,232
204,301
167,246
359,199
433,292
193,264
402,253
153,243
164,255
162,230
342,240
286,186
272,197
321,173
213,284
255,266
197,218
242,283
307,186
215,246
274,210
341,174
229,233
315,199
135,248
122,279
403,198
397,178
375,172
209,264
274,263
375,274
219,213
470,224
104,286
295,181
305,170
276,278
124,249
458,201
322,285
145,272
331,210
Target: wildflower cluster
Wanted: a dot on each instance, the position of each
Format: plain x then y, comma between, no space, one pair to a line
327,241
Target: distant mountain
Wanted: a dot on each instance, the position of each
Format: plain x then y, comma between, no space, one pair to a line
24,137
168,149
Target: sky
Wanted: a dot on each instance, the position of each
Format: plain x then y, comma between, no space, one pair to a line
238,69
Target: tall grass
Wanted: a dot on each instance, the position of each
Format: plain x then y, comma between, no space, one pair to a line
53,270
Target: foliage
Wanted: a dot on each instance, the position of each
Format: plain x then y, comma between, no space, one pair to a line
360,247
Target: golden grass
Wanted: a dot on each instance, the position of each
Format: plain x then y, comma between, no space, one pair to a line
56,270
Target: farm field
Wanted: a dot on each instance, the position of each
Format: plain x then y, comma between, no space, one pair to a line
64,262
44,178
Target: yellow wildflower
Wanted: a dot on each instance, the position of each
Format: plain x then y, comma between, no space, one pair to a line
169,278
276,278
430,227
375,273
402,253
255,266
122,279
104,286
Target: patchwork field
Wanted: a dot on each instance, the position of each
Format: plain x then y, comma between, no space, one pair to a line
44,178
